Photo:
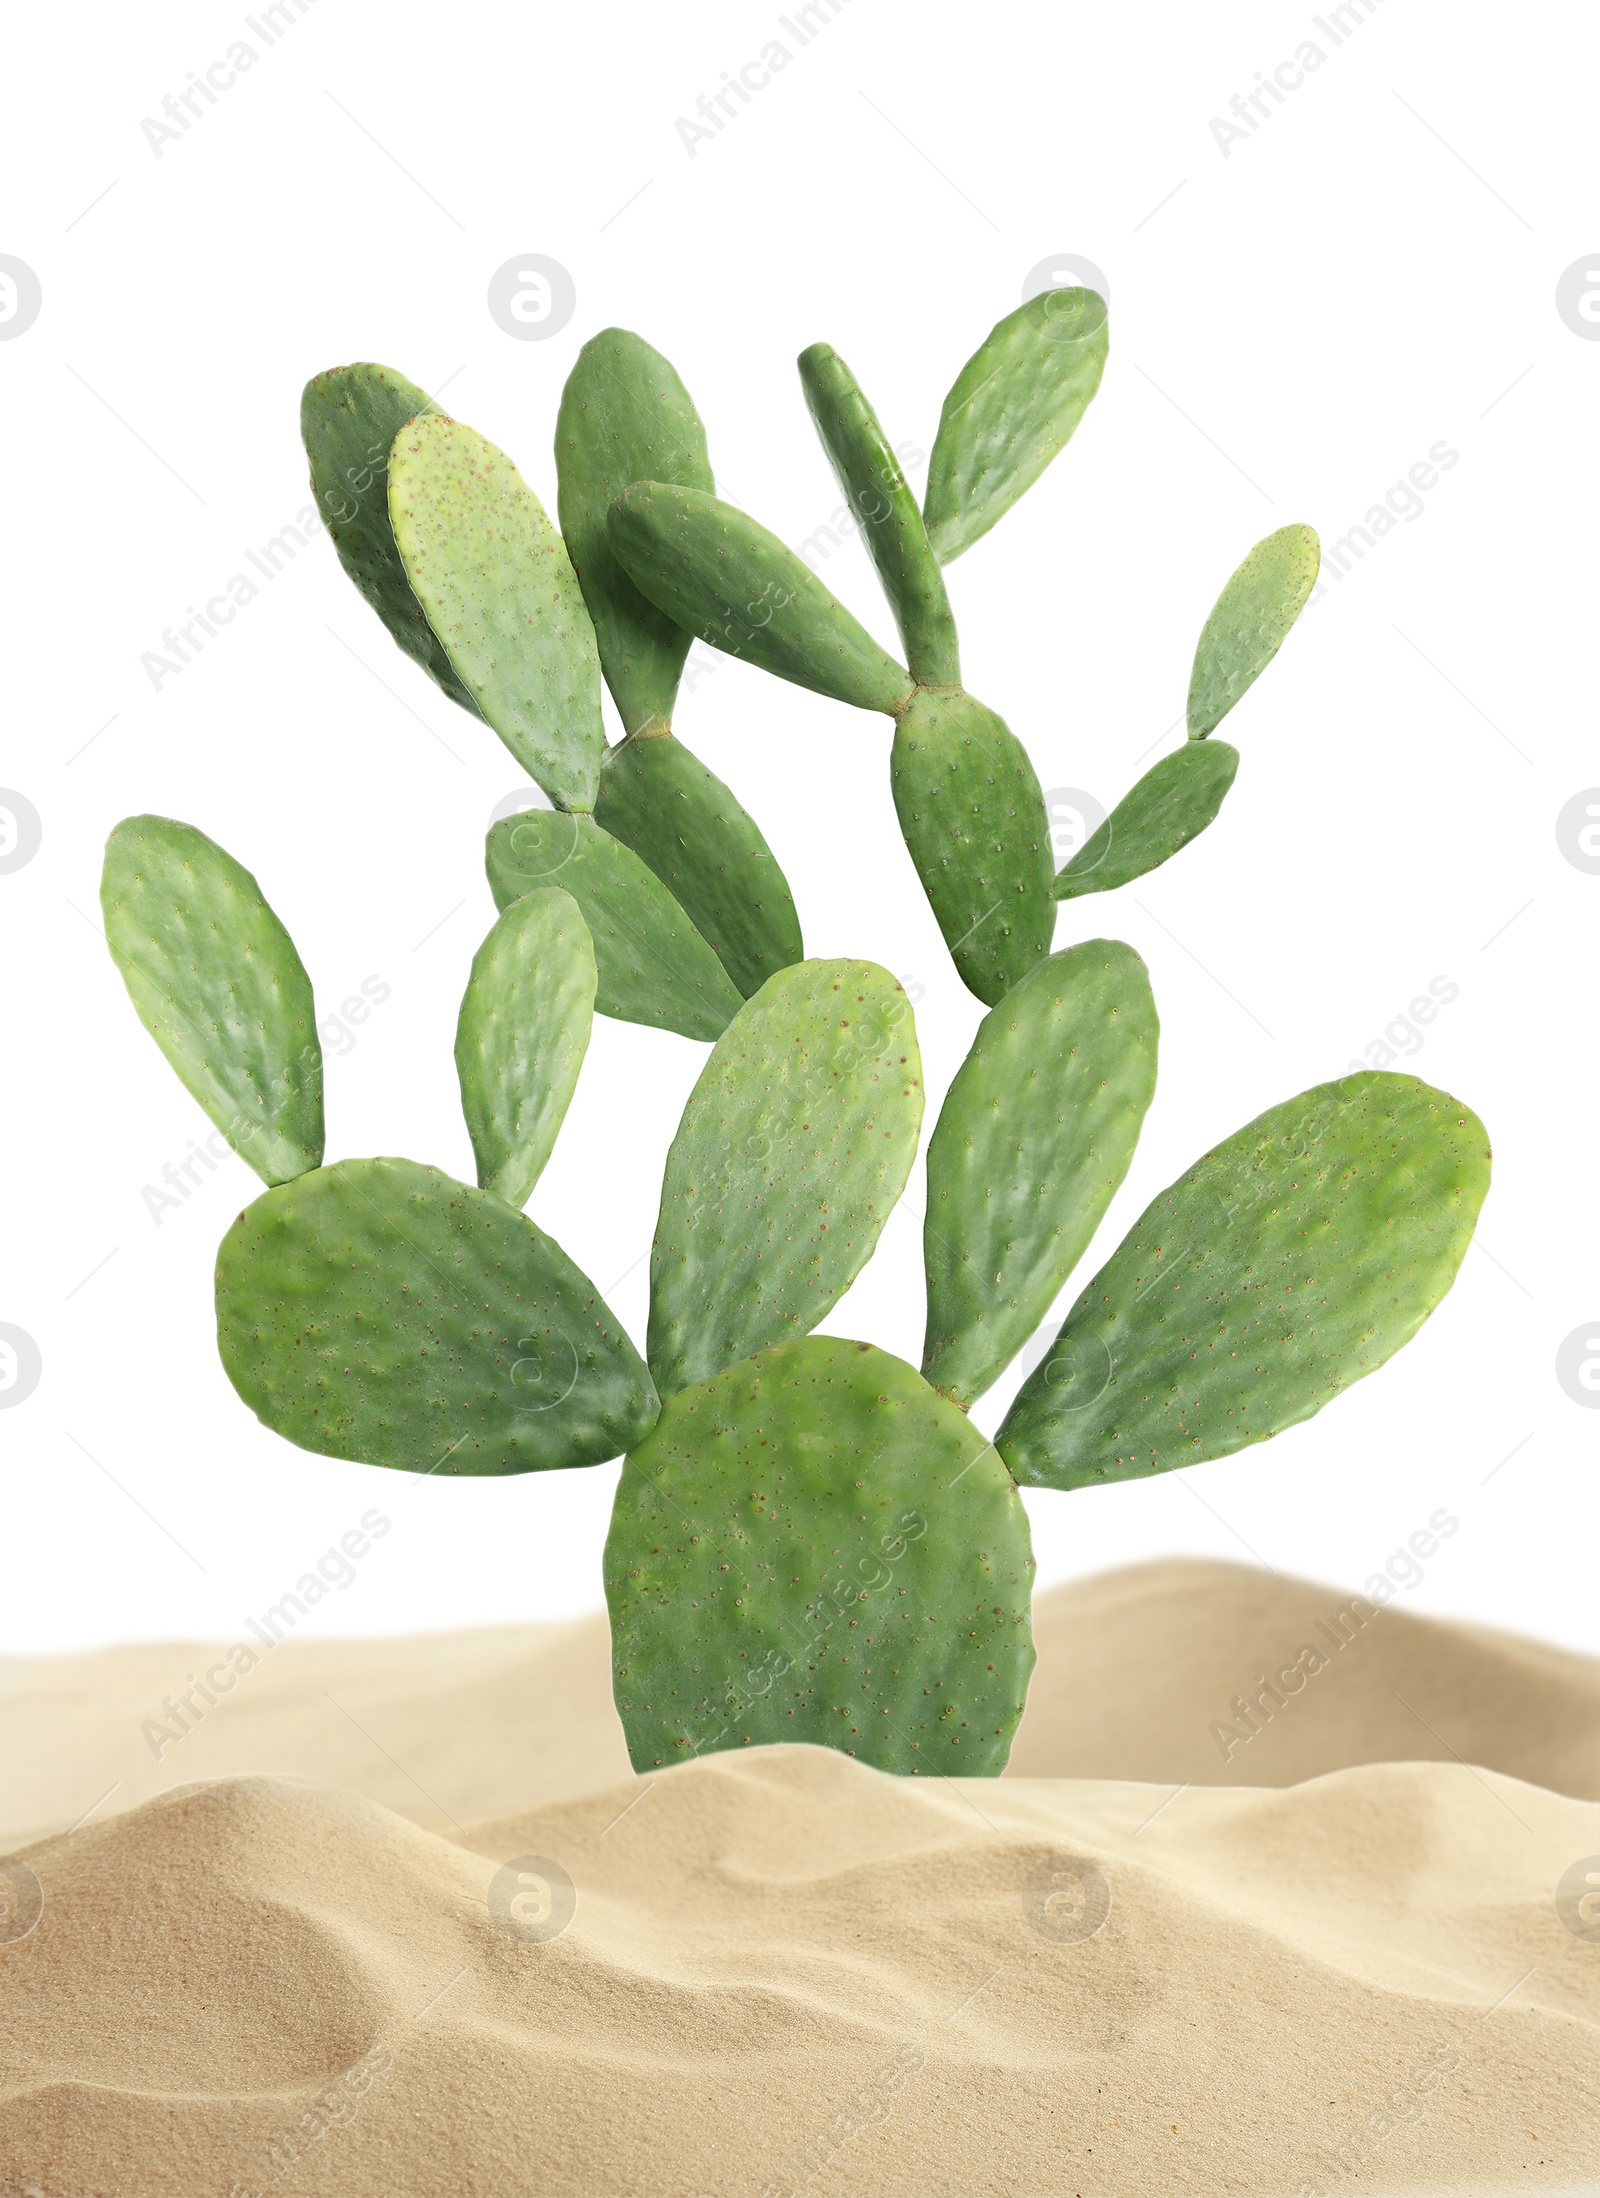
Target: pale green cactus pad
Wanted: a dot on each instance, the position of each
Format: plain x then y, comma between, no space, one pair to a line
793,1148
217,983
349,418
1032,1142
719,574
494,578
625,417
974,819
653,965
1288,1262
680,819
381,1311
1249,623
521,1037
1012,408
814,1546
886,512
1171,805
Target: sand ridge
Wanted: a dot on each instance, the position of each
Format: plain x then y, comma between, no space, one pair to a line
779,1972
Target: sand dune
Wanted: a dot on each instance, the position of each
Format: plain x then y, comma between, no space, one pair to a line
780,1972
1135,1667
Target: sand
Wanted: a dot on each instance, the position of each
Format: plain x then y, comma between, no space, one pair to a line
289,1956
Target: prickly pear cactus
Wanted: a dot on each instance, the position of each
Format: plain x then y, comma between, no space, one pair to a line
1013,407
1250,622
880,498
723,577
499,590
652,965
378,1310
1032,1143
521,1038
625,417
811,1540
349,418
1291,1260
709,853
1174,802
218,985
813,1545
793,1148
974,820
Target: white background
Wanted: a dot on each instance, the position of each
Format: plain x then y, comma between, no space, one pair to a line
1294,325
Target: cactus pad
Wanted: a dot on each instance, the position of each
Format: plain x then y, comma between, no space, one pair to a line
885,510
349,418
1171,805
1288,1262
1249,623
625,417
974,820
678,817
381,1311
719,574
217,983
1011,409
521,1037
814,1546
1032,1142
793,1148
494,578
653,966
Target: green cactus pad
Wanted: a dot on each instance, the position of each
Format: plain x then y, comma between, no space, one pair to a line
719,574
217,983
880,498
625,417
349,418
493,576
381,1311
1171,805
1032,1142
678,817
521,1037
1011,409
653,965
1287,1263
974,819
814,1546
1250,622
792,1150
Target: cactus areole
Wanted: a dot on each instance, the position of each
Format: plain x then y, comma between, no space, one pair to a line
811,1540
